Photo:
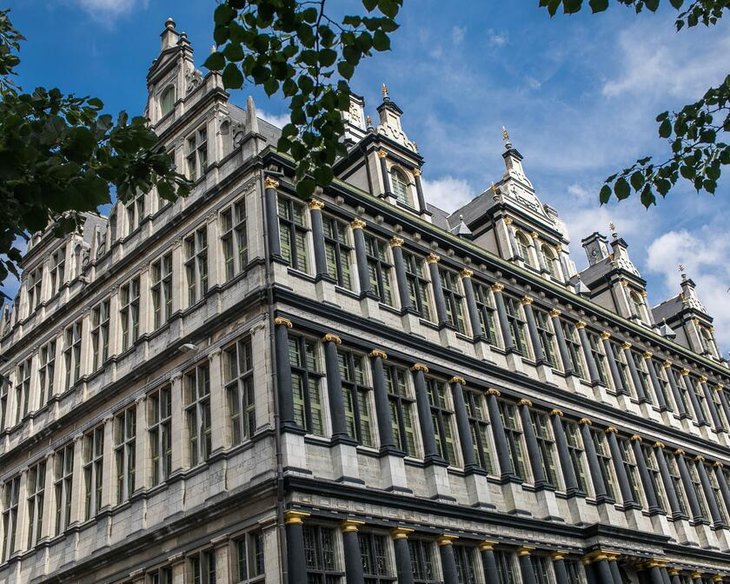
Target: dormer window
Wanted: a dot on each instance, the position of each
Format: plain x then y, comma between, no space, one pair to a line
523,247
167,100
637,306
551,261
197,157
399,184
708,343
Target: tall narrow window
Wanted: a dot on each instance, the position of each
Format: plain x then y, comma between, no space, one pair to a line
418,284
576,452
35,286
506,568
4,384
599,357
35,490
575,572
338,251
637,306
306,374
161,271
196,264
374,554
100,335
479,426
716,493
160,576
699,491
320,555
515,439
293,234
683,392
485,306
197,413
380,271
454,300
401,409
652,466
708,343
663,387
22,391
546,444
125,439
546,336
442,416
677,484
238,380
233,239
63,463
159,422
517,325
58,269
552,262
356,393
93,471
11,497
622,368
46,371
523,247
466,572
541,569
203,568
604,462
399,184
129,312
422,561
197,153
632,471
135,212
167,100
572,343
250,552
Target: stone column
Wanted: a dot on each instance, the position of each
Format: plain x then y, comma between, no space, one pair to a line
660,400
613,566
489,562
674,576
497,288
320,258
438,291
571,481
696,406
618,464
528,573
177,425
533,450
709,493
283,373
361,256
681,410
722,482
403,566
612,365
448,563
351,545
423,208
674,506
640,394
532,327
511,237
334,389
711,405
48,525
462,423
500,440
382,155
599,486
694,505
561,574
223,563
723,401
108,487
141,446
562,346
430,451
651,496
272,216
602,569
218,439
296,563
471,303
586,345
382,404
396,244
654,573
77,494
696,576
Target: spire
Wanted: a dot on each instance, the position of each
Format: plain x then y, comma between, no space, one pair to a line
505,137
251,118
513,160
390,124
169,36
384,91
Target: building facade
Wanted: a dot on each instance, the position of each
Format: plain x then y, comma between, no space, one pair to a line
242,386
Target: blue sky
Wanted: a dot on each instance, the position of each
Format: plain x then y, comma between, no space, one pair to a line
578,95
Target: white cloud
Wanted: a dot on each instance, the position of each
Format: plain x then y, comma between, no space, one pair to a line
104,9
278,120
703,253
497,38
448,193
457,34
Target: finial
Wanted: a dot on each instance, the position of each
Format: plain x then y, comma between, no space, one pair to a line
612,228
170,24
369,121
680,269
384,90
505,134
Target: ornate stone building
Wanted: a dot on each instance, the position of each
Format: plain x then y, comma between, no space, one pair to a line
243,386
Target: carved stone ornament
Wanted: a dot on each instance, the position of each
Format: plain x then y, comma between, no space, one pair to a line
466,273
332,338
316,205
432,258
419,367
375,353
457,379
280,320
358,224
271,183
396,242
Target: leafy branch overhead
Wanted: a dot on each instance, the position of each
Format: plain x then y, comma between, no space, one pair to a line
697,134
296,48
61,157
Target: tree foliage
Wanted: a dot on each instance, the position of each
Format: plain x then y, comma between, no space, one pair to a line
60,156
296,48
697,134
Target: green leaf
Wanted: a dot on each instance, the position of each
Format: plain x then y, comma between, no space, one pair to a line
637,180
232,77
622,189
223,14
305,187
665,129
215,62
605,195
598,5
381,42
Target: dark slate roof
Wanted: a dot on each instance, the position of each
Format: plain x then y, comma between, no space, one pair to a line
668,309
439,217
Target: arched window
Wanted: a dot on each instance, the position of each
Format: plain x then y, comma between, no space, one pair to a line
708,343
399,184
637,304
552,261
167,100
523,247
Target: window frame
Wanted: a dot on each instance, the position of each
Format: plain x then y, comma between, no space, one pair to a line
198,420
238,383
